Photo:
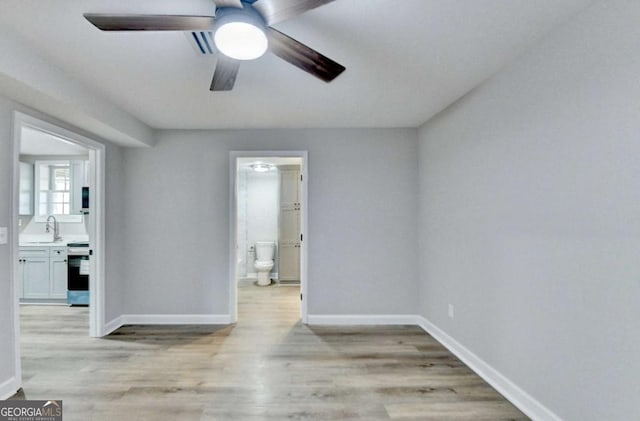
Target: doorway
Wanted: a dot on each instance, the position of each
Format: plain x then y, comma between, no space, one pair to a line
268,197
58,214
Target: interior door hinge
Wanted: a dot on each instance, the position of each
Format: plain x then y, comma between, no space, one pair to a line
300,296
300,177
90,252
300,237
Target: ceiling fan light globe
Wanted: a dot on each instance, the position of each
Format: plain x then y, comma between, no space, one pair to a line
261,167
241,40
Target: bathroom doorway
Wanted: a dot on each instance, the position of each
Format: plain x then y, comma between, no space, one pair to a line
268,225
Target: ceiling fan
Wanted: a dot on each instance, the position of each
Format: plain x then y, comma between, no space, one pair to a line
241,31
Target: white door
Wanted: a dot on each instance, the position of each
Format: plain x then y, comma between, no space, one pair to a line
289,224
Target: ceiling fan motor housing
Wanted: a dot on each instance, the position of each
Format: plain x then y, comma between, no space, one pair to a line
233,14
240,33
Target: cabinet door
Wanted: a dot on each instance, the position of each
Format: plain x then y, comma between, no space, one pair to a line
35,280
289,185
289,223
25,200
289,262
58,273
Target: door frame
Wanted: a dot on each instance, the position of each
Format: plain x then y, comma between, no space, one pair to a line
95,225
233,225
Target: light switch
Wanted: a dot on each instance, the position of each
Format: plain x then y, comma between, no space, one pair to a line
3,235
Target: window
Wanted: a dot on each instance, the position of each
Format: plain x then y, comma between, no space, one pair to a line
58,189
55,190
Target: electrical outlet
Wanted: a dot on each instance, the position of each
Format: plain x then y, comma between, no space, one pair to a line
450,311
3,235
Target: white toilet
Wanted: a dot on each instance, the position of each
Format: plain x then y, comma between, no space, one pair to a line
264,261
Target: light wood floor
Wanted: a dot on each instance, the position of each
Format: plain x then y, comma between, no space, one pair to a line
266,367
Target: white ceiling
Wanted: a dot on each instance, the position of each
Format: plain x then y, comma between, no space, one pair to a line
35,142
406,60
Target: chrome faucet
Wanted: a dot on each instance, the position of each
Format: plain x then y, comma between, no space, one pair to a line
56,228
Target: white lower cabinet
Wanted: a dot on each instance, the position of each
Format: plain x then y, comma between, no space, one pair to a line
43,271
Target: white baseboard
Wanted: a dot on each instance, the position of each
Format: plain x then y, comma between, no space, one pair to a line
521,399
112,326
361,319
9,388
166,319
175,319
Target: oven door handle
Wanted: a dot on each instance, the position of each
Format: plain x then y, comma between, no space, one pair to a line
77,252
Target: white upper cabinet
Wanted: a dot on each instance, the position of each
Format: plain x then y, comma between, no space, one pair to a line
25,206
79,179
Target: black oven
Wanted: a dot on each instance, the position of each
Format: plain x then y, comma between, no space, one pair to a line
78,273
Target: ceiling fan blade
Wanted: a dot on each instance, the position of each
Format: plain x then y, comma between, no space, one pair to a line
225,74
303,57
108,22
274,11
228,3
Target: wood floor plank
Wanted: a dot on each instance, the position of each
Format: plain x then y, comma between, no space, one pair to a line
268,366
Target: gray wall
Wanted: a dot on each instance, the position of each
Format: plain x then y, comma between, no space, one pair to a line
530,218
115,233
362,212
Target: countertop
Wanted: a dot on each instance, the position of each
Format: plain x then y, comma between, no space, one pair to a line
46,240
